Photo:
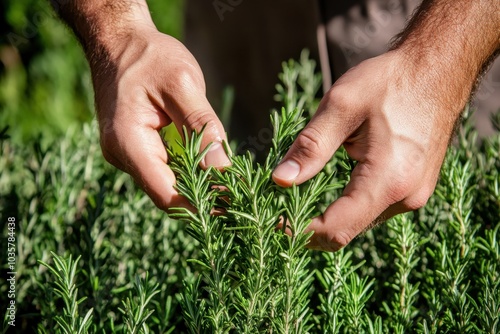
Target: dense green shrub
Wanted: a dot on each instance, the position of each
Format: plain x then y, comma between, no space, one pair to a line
124,266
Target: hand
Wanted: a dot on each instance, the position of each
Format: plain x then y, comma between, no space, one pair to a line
394,121
147,81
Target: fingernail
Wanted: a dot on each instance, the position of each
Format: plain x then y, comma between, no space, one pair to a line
216,156
287,170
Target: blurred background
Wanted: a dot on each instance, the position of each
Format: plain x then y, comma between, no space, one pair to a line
45,85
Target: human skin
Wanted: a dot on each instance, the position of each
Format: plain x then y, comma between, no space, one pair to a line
143,80
394,114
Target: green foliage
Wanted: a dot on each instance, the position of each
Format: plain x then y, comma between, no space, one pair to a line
135,309
67,200
242,256
64,287
45,84
226,267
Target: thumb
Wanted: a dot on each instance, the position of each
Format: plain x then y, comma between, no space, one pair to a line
188,106
204,118
314,146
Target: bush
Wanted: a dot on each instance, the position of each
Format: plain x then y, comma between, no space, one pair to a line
94,255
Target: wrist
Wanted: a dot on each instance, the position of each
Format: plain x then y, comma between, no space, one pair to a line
421,95
104,28
447,45
441,79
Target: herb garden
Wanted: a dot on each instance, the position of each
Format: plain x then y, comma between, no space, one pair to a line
95,256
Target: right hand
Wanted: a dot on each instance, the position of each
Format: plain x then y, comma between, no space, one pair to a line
395,119
146,82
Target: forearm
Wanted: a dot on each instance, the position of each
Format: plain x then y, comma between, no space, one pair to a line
452,41
100,25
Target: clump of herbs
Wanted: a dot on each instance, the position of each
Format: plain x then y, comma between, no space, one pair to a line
126,267
257,279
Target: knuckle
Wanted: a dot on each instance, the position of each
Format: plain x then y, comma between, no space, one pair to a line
108,156
412,195
419,199
196,120
186,77
160,203
107,147
309,144
340,96
108,139
339,240
398,190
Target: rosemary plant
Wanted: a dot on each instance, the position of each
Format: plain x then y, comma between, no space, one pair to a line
70,321
136,309
271,282
217,255
244,269
406,243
